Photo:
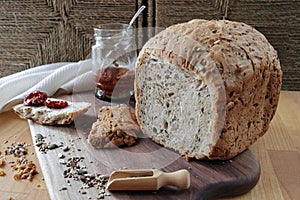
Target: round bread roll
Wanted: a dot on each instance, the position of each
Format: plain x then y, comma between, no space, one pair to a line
207,89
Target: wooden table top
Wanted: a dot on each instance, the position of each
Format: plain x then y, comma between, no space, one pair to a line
278,153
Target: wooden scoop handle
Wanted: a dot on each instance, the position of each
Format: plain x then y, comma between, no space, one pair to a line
180,179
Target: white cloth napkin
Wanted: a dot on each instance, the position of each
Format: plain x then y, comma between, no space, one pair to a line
51,78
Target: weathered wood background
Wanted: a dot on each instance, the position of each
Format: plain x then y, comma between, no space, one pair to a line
37,32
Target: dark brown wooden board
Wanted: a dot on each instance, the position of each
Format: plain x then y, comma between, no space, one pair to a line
209,179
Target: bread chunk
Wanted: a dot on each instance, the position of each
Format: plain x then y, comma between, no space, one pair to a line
51,116
116,126
207,89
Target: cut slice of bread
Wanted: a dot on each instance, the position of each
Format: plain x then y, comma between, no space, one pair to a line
51,116
207,89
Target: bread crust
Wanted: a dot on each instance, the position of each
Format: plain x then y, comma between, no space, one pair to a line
241,69
116,126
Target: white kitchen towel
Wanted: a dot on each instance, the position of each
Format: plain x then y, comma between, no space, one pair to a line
66,76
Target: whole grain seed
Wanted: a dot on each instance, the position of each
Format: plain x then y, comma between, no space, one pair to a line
60,155
39,136
2,161
66,148
63,188
24,169
2,172
74,168
52,146
39,144
18,149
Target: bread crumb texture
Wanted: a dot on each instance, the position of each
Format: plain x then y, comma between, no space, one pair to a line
52,116
207,89
116,126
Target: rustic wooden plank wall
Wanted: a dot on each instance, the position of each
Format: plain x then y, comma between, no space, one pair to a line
45,31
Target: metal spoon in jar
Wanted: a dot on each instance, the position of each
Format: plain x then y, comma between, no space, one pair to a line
135,16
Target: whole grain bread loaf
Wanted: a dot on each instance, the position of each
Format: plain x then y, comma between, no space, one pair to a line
207,89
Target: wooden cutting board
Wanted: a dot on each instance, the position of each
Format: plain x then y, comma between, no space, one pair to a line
209,179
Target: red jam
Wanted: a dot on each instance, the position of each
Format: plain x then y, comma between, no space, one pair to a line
57,104
114,82
36,98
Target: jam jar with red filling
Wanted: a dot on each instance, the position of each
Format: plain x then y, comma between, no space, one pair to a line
114,55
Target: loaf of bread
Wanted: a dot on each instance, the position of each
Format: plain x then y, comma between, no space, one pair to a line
207,89
51,116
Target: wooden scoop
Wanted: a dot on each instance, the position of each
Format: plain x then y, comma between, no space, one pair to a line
147,179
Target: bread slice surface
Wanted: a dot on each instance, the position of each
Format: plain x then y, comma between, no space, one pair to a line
50,116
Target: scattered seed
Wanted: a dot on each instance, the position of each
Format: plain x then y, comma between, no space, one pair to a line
102,191
63,188
2,172
39,144
52,146
81,172
2,161
66,148
39,136
74,168
60,155
24,169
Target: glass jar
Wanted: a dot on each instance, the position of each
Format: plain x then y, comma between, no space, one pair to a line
113,56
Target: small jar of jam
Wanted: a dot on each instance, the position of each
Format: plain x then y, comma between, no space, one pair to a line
114,55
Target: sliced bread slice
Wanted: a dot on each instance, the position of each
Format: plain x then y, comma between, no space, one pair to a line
51,116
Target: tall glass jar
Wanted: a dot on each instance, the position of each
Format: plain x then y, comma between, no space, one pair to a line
114,55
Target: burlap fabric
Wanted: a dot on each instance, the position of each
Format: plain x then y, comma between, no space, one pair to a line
45,31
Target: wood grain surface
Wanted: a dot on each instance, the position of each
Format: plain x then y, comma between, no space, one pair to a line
277,152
